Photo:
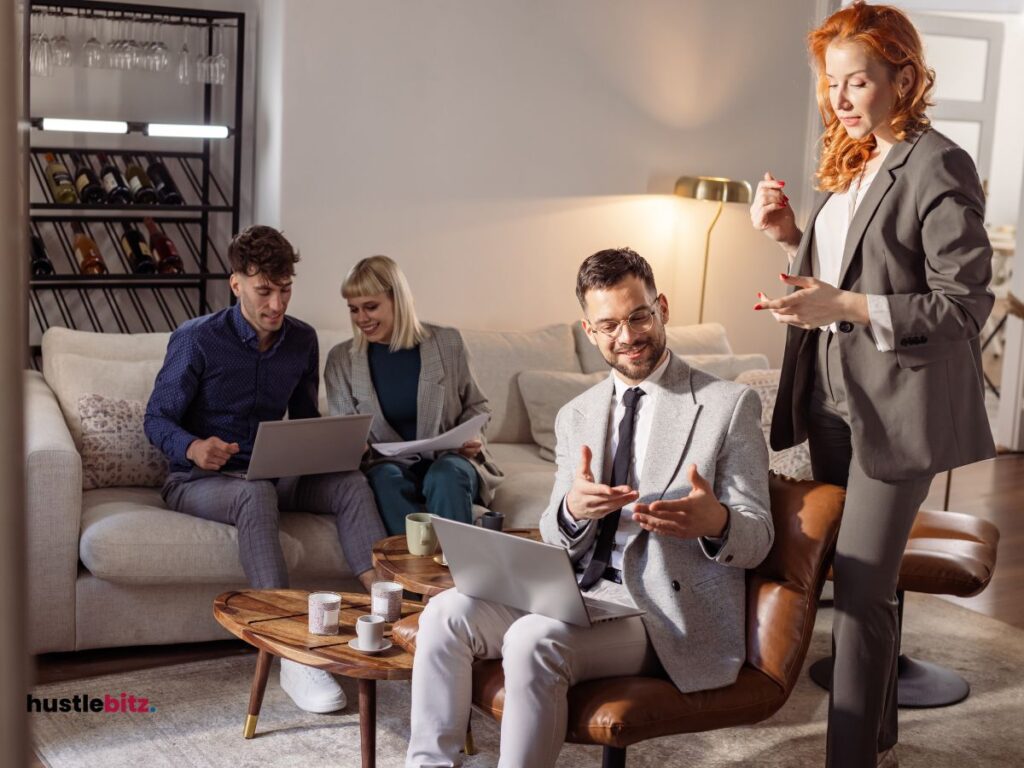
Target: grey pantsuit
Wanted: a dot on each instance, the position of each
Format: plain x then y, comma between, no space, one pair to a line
883,423
876,523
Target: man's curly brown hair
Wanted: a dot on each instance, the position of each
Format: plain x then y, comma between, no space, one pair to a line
261,249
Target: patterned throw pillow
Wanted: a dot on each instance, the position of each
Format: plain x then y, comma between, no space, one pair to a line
115,451
794,462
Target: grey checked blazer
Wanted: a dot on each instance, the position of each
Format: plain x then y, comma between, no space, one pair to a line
917,238
447,395
694,594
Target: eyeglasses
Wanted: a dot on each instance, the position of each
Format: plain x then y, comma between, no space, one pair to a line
640,321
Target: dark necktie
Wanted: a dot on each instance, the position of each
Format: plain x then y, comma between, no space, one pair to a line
620,476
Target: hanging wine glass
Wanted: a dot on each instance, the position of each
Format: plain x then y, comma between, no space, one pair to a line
159,53
62,53
40,51
93,51
184,58
219,66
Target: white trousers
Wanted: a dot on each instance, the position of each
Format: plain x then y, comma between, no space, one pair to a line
541,657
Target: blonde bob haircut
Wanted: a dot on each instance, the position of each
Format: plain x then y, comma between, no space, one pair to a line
380,274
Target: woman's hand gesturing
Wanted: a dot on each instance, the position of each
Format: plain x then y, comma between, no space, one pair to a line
771,213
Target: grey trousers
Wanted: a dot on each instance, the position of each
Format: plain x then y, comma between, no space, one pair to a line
877,517
253,508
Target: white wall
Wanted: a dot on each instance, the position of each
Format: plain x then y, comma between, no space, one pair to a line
491,146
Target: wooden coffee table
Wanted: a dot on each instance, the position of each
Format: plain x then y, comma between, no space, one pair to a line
420,574
275,621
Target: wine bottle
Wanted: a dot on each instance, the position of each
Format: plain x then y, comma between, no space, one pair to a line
39,262
166,190
90,262
90,191
136,251
168,262
113,182
139,183
59,180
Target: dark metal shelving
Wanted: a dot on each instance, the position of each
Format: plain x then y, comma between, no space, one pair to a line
122,301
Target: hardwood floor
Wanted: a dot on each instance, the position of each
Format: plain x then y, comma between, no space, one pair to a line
991,489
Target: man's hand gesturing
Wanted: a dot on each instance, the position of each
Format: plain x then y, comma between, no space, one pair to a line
588,500
699,514
211,453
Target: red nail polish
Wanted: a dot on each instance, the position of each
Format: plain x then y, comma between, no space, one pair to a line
757,306
782,275
782,183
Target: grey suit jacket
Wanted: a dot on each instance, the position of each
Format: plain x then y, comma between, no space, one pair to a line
695,596
917,238
446,396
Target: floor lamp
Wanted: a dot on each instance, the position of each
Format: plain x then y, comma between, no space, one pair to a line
715,190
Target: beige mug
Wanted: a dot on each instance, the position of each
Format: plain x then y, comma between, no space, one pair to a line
419,534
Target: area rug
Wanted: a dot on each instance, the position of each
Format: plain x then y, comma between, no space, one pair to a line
198,711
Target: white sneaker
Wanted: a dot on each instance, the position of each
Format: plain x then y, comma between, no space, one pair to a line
311,689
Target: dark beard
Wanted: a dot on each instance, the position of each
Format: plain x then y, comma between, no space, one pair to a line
644,367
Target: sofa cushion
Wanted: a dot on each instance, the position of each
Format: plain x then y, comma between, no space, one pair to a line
794,462
703,339
517,458
497,356
523,499
71,376
130,537
115,450
544,393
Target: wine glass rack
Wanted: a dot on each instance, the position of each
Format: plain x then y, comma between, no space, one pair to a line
121,300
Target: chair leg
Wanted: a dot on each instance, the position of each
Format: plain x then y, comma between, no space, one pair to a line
613,757
922,684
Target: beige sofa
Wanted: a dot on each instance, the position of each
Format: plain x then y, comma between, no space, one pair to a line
111,566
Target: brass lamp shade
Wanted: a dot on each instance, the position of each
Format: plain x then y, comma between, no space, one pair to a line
716,190
713,188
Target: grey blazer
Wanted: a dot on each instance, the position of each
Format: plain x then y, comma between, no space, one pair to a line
917,238
694,593
447,395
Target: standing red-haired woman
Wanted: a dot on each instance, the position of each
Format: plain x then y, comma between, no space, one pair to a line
882,368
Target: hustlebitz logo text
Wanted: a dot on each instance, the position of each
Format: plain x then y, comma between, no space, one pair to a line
122,703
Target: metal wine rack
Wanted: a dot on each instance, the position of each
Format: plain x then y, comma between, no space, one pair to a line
121,301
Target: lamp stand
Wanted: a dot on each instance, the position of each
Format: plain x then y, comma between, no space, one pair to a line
704,266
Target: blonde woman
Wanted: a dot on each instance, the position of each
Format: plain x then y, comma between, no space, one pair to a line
415,380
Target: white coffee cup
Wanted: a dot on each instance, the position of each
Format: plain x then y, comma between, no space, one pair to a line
324,608
370,632
387,600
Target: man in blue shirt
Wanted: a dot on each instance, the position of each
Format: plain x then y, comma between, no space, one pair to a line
226,372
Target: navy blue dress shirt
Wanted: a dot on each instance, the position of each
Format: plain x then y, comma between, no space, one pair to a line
396,379
216,382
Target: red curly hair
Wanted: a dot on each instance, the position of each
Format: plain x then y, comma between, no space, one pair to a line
888,35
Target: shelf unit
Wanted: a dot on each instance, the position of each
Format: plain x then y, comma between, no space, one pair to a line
209,179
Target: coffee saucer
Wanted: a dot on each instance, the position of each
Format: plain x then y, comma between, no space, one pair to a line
440,561
354,645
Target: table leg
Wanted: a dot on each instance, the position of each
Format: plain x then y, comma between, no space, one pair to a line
259,685
368,722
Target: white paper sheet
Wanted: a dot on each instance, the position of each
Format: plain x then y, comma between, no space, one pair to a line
450,440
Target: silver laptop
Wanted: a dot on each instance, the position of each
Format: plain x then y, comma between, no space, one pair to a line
521,573
294,447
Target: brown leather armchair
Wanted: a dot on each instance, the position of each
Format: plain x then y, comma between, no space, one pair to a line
782,595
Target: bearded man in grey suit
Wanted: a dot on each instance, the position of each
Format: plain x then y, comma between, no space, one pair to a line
661,498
